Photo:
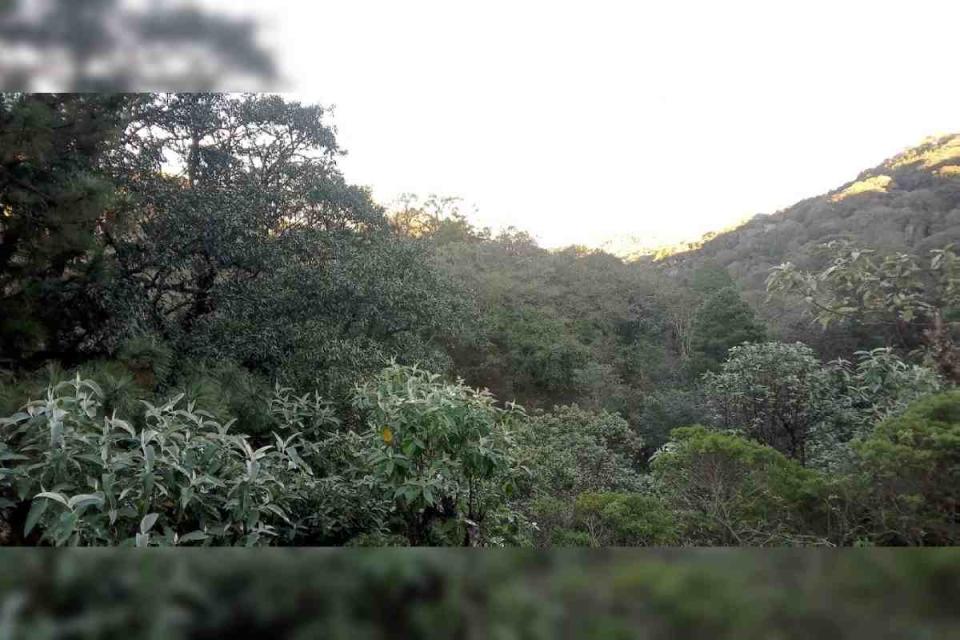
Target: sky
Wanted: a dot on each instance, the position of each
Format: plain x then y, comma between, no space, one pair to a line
584,121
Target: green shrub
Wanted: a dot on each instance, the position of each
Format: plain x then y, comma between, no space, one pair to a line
93,479
230,391
571,538
148,358
444,453
912,470
726,489
571,451
629,520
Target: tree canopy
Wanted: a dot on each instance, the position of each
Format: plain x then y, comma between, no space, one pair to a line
209,336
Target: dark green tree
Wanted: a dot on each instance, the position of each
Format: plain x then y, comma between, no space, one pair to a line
722,320
252,246
57,205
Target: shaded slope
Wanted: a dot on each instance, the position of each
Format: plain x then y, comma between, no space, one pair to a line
909,202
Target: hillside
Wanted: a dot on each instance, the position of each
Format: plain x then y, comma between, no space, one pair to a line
908,202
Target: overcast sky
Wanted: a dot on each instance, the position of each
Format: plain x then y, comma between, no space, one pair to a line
582,120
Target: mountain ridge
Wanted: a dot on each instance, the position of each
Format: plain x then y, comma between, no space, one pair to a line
934,158
909,202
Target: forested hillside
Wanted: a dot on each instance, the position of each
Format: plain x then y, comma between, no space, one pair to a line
209,337
909,203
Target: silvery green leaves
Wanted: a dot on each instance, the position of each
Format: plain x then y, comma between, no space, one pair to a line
435,460
182,478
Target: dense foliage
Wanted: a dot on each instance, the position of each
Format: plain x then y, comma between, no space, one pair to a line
382,594
209,337
446,455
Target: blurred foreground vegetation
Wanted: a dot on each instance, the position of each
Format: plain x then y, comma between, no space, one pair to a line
604,594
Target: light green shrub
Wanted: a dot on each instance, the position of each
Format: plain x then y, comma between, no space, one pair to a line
726,489
95,479
625,519
911,467
445,454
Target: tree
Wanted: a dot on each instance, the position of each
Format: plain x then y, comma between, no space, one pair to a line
912,467
437,218
916,298
775,392
58,205
624,520
722,320
727,490
250,245
540,356
681,299
781,395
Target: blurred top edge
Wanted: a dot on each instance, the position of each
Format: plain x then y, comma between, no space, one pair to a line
132,46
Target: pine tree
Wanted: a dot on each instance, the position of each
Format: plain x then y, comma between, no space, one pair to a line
722,320
55,206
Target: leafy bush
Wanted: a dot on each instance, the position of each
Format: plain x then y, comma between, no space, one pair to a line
182,478
782,396
347,502
728,490
775,392
879,385
883,384
912,467
571,451
624,519
901,290
445,454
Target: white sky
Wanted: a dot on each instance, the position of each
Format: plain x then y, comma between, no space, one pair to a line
579,121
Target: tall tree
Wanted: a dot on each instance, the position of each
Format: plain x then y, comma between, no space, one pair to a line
776,393
251,245
57,203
